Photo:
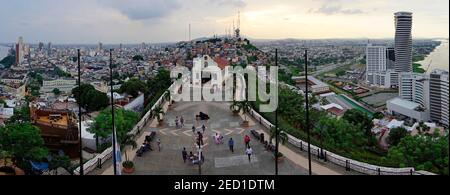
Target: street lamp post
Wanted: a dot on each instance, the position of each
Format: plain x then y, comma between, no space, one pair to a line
276,122
112,113
307,111
79,113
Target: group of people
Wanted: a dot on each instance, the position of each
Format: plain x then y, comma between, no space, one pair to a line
193,158
179,122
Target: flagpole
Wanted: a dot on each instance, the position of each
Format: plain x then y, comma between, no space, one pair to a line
112,114
79,113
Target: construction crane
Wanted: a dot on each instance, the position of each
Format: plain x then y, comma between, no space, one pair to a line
429,65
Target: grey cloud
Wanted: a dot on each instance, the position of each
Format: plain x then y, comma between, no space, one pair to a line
143,9
234,3
331,10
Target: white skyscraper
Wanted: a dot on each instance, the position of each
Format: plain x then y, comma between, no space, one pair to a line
403,42
375,62
439,96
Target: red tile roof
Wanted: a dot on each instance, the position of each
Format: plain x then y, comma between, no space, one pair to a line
221,62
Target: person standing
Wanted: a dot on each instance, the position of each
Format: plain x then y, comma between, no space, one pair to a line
159,144
249,152
247,141
184,154
231,145
182,121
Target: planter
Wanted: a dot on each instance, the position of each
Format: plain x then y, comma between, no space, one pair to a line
280,158
8,170
236,112
245,124
128,170
128,167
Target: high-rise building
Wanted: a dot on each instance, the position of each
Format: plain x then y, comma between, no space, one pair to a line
375,61
390,58
100,47
49,48
414,87
403,42
439,96
41,46
20,53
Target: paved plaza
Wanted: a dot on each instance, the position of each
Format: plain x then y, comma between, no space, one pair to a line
219,160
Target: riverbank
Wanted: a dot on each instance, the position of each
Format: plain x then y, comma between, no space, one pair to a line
437,59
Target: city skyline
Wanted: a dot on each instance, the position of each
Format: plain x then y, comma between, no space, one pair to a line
157,21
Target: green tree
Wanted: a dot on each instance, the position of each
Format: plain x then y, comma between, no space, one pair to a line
124,122
245,107
138,58
21,115
157,113
127,140
397,134
133,87
356,117
424,152
90,99
58,161
23,142
56,91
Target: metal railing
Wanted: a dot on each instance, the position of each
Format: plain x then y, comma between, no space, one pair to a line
348,164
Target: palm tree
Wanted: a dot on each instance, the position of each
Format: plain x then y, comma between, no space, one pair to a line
282,136
245,107
234,107
157,112
128,140
422,128
167,95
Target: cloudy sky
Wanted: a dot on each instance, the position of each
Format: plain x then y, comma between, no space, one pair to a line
136,21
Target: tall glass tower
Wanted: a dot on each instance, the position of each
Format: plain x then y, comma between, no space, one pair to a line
403,42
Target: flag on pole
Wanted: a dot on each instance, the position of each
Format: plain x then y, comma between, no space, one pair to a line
118,156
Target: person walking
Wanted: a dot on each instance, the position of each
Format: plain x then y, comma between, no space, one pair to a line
159,144
249,152
193,128
182,121
176,123
184,154
203,128
231,145
247,141
200,138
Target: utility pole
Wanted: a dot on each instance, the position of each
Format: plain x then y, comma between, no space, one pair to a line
79,113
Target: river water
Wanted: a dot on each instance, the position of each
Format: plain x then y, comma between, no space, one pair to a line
438,58
3,52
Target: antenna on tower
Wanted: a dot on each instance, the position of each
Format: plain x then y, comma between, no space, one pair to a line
239,20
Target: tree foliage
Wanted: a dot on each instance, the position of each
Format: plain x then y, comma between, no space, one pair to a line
424,152
124,122
397,134
133,87
23,142
90,99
